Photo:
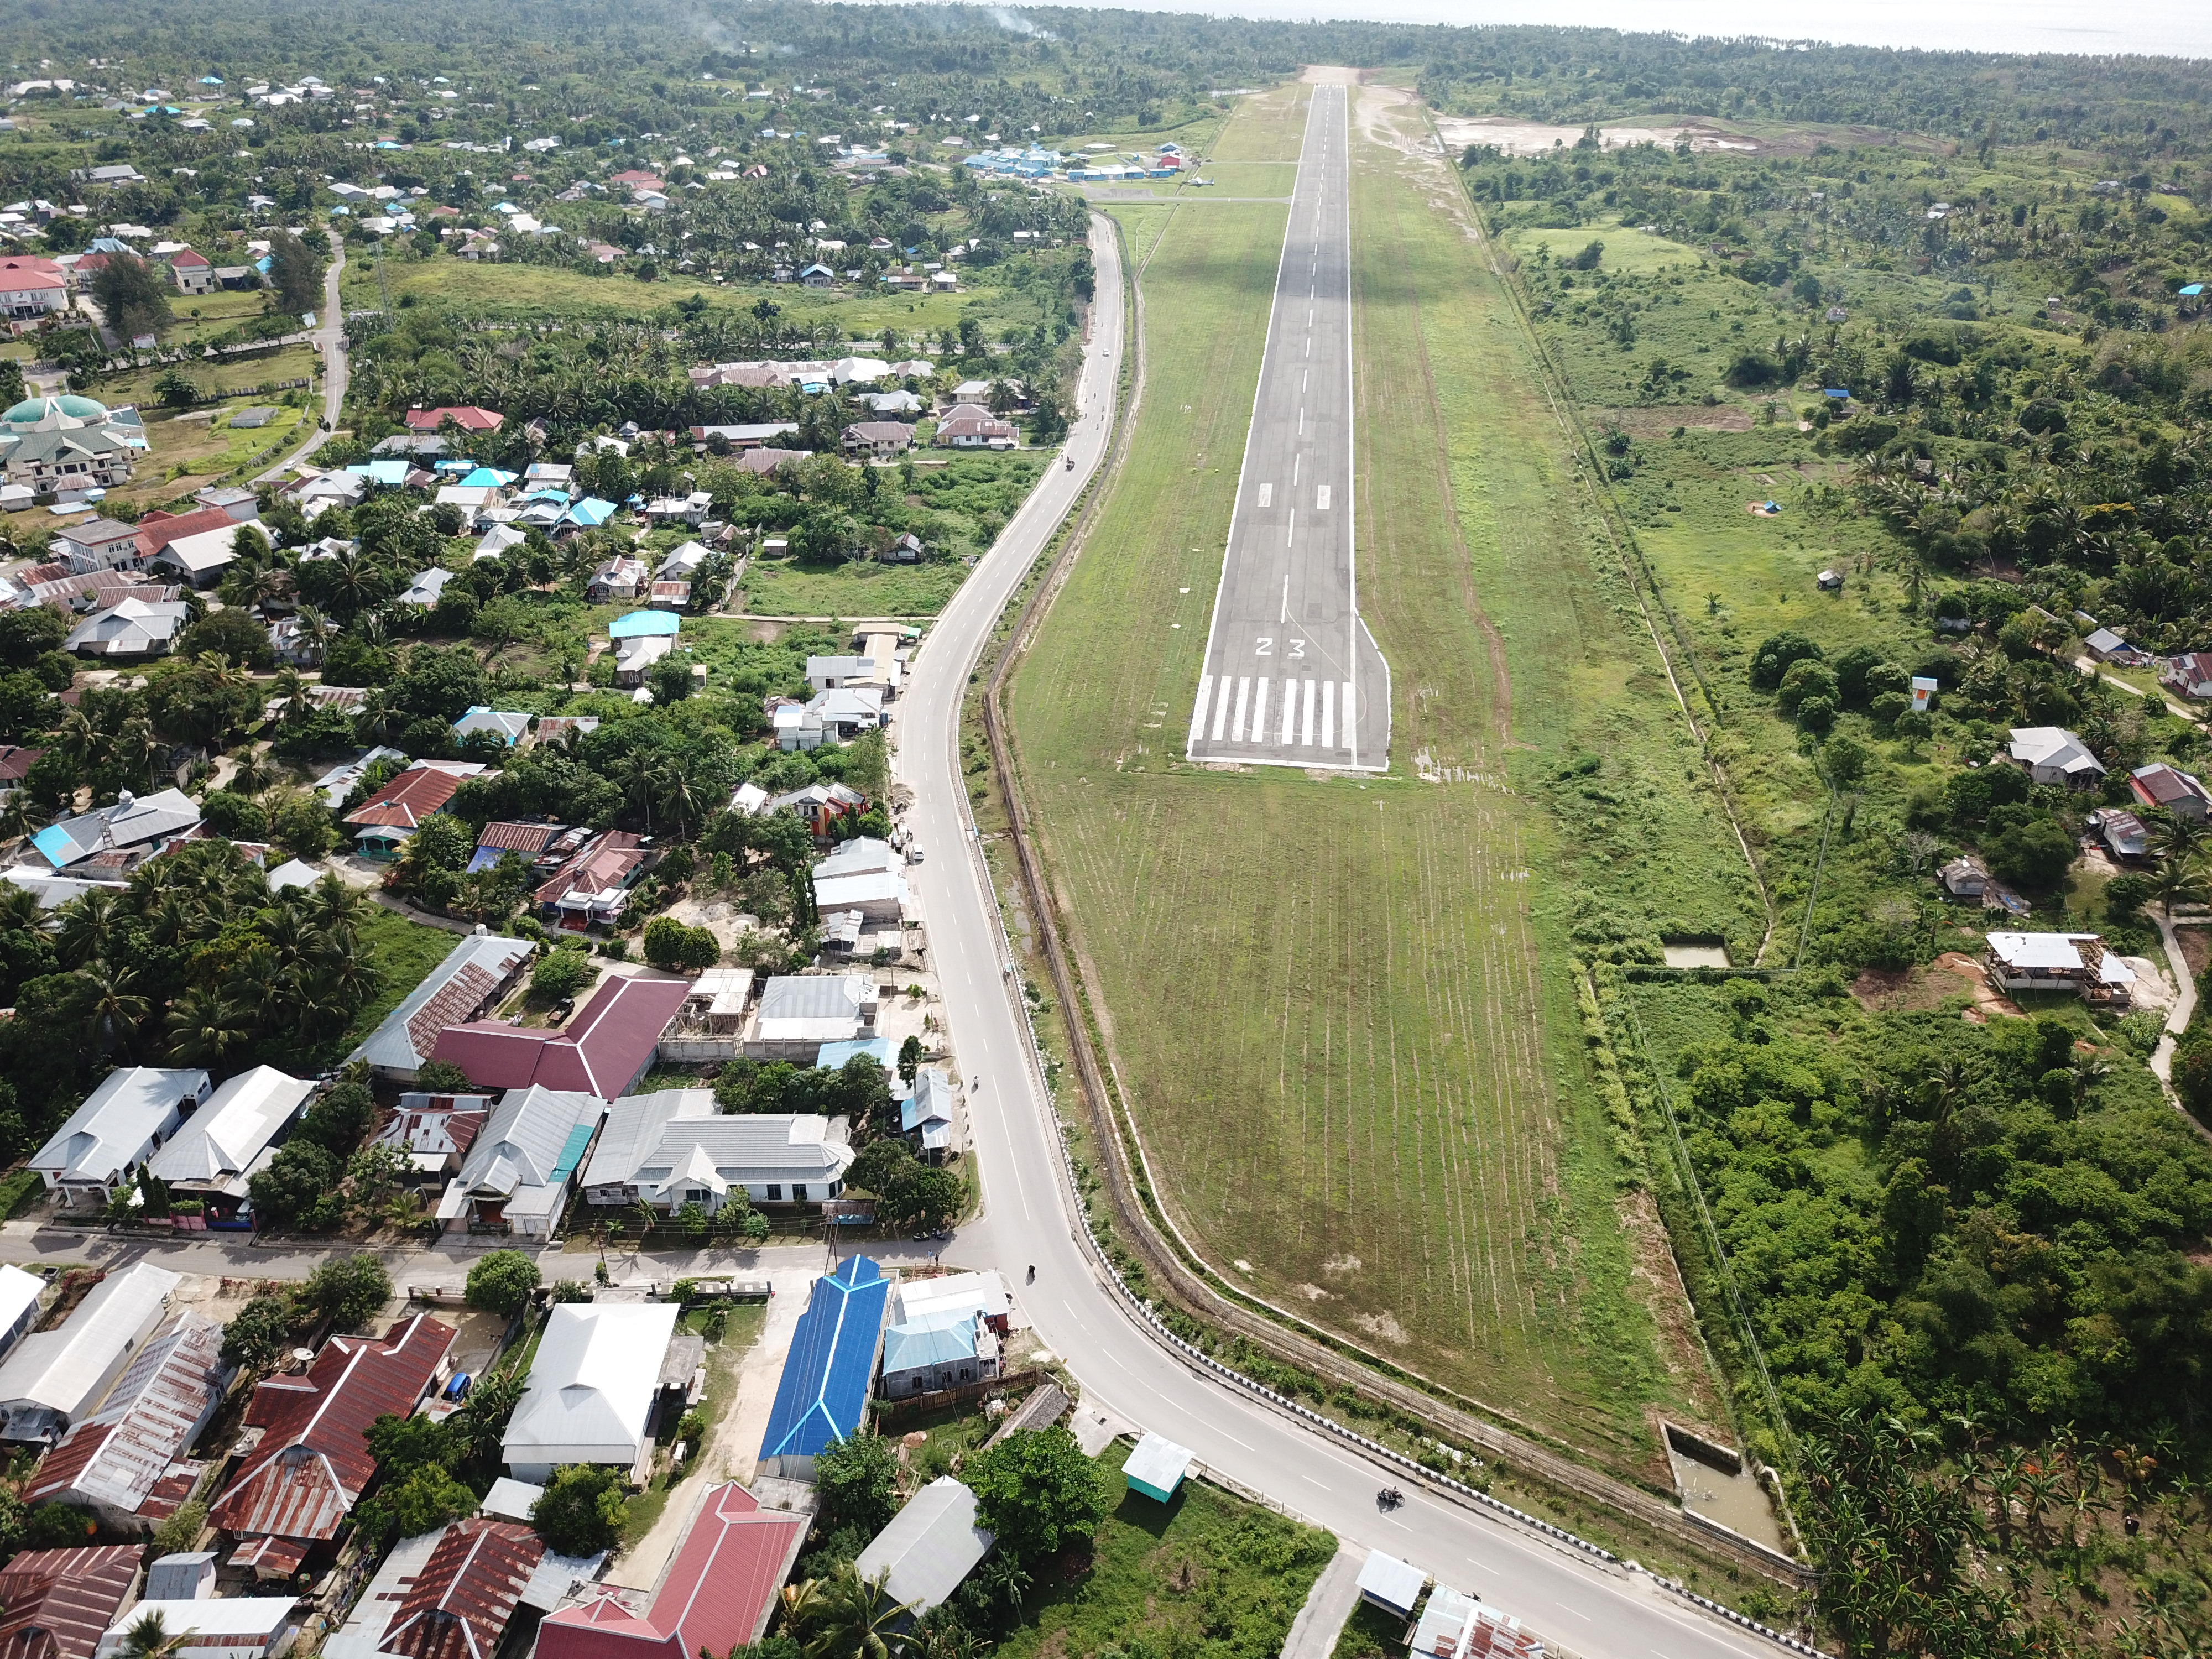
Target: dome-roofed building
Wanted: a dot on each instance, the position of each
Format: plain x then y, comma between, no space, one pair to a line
62,444
55,412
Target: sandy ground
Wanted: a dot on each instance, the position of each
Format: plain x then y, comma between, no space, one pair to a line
1528,137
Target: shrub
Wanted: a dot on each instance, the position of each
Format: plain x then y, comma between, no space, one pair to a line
581,1511
1808,678
560,975
1775,654
348,1291
669,944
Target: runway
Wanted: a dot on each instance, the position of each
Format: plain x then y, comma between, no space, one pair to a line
1292,677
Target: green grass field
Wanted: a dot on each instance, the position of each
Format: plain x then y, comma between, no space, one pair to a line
404,952
791,587
1206,1573
1342,1009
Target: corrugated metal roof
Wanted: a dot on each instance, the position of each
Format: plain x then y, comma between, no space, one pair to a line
312,1463
929,1546
601,1052
824,1387
233,1129
116,1457
592,1385
453,991
635,1123
60,1602
66,1372
459,1604
116,1119
717,1593
518,837
409,799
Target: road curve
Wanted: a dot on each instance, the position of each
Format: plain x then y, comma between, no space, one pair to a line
1581,1605
329,341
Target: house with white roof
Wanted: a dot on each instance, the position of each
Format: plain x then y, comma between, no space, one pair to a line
221,1627
130,628
634,1129
594,1389
135,827
698,1158
232,1137
120,1126
519,1171
978,1295
2053,755
55,1378
2076,964
926,1113
799,1012
20,1299
929,1547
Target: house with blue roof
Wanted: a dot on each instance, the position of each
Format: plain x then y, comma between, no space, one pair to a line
882,1050
824,1392
591,513
939,1352
926,1113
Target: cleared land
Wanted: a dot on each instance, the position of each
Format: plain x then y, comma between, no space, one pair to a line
1343,1011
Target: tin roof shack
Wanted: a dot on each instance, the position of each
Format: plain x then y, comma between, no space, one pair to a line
461,1600
59,1602
1966,878
183,1578
2122,832
798,1013
930,1546
121,1124
716,1595
20,1294
1457,1626
823,1391
55,1379
309,1463
231,1137
1391,1584
125,1464
522,1167
2069,964
594,1390
435,1132
2163,785
936,1353
1158,1467
474,976
982,1294
231,1627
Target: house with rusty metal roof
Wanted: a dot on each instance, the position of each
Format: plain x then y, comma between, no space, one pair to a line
125,1463
474,976
716,1593
460,1602
309,1463
59,1602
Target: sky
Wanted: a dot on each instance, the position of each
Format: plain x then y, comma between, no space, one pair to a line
2181,29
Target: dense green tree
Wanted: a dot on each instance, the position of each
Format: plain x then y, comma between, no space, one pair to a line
1038,1492
133,296
502,1281
581,1511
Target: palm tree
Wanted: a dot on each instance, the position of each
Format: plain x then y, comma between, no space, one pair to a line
256,773
312,632
1940,1088
105,999
206,1027
2178,881
2172,836
91,925
19,907
843,1616
20,816
151,1639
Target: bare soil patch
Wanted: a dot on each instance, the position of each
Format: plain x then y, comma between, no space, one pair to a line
1908,990
1661,422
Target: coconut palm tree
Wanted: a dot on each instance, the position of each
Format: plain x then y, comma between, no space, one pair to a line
151,1638
106,1001
91,925
206,1027
844,1616
2178,881
20,816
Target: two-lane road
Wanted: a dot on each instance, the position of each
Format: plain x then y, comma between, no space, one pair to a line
1597,1611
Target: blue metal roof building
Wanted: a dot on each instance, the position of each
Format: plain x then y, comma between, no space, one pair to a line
823,1391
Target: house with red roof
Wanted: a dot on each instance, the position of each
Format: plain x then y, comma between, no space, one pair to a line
467,416
193,271
31,289
58,1603
716,1594
602,1051
196,545
310,1463
382,824
459,1604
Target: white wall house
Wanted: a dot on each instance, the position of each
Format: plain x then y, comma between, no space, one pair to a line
121,1125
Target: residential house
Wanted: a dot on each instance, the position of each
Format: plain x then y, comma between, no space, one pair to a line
635,655
621,577
605,1047
231,1138
66,462
2176,791
467,416
242,504
2123,833
462,1597
314,490
818,276
425,588
594,1390
699,1155
691,510
15,764
126,1463
590,890
1390,1584
716,1594
822,1396
970,425
926,1114
475,975
519,1170
511,728
929,1547
195,546
382,823
531,843
2076,963
1966,878
193,272
869,672
309,1465
558,729
874,884
828,717
115,838
798,1013
31,290
130,628
981,1295
634,1130
936,1353
2189,675
96,544
222,1628
2054,755
54,1379
821,805
120,1125
879,439
20,1305
57,1602
1457,1626
434,1132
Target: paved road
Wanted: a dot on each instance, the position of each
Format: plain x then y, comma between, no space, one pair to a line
1597,1612
329,341
1291,675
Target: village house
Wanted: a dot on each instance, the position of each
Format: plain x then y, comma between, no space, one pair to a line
59,1601
2074,963
383,824
519,1170
970,425
798,1012
54,1379
881,439
2053,755
223,1143
607,1046
476,973
120,1125
132,627
2161,785
2189,675
1966,878
125,1463
598,1386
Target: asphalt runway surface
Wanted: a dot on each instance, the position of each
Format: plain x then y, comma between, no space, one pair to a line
1291,675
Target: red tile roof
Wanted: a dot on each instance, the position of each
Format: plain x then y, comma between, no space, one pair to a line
409,799
15,760
459,1603
190,259
60,1602
312,1463
602,1051
717,1593
25,272
467,416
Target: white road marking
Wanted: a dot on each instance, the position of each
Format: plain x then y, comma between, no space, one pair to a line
1286,616
1328,714
1243,695
1321,499
1221,711
1351,734
1293,529
1305,731
1577,1613
1259,710
1198,714
1267,493
1297,461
